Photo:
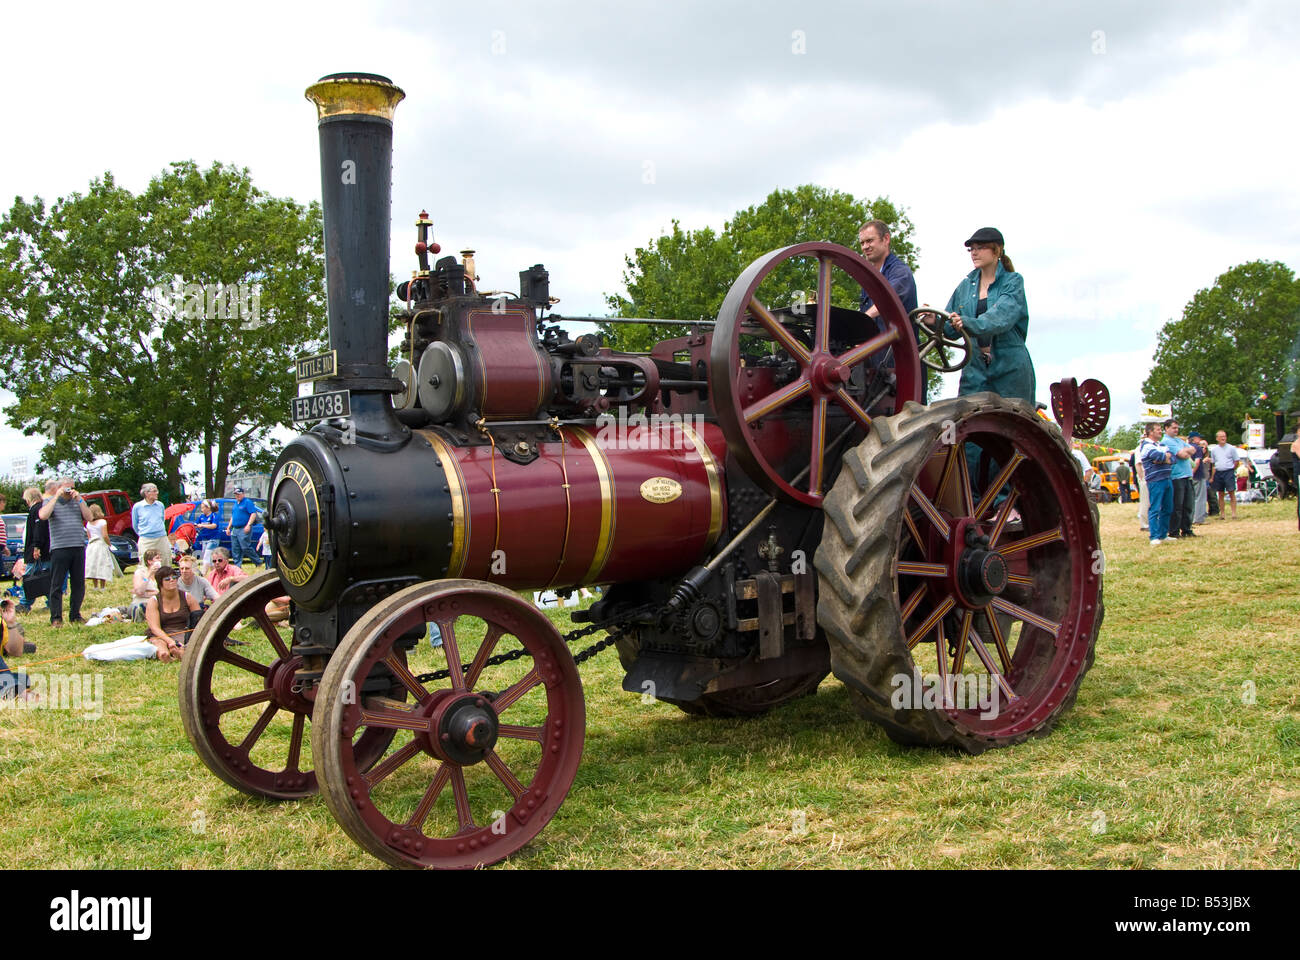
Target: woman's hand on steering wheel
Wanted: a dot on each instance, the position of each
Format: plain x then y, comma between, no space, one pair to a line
934,343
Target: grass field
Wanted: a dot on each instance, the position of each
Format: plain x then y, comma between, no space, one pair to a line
1182,751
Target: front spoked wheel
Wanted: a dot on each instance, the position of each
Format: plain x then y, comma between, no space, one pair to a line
484,752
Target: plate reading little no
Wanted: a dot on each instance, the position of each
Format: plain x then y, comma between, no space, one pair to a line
321,406
317,367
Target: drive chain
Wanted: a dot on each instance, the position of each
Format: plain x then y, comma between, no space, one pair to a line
615,631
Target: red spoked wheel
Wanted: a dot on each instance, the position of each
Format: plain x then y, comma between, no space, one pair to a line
483,755
238,700
951,620
789,377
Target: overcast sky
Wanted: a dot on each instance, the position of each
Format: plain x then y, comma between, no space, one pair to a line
1129,152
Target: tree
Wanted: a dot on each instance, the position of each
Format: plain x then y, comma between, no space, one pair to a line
1233,353
685,274
140,327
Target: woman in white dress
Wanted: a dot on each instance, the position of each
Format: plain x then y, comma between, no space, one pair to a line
101,565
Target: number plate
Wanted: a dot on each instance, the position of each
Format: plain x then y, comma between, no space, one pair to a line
317,367
321,406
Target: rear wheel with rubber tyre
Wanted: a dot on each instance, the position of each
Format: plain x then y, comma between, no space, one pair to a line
960,574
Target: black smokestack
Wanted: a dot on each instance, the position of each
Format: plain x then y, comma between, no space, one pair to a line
355,111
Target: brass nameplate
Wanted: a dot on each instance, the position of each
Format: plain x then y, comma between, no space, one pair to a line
318,367
661,490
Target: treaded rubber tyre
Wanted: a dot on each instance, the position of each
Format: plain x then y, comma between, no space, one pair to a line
858,598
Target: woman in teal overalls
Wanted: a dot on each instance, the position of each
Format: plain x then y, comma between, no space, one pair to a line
990,305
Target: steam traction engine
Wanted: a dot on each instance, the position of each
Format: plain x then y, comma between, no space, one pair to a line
764,501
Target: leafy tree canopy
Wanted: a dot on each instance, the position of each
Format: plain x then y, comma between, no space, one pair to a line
685,274
1234,353
146,326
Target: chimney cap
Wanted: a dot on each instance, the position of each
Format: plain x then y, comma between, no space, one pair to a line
352,94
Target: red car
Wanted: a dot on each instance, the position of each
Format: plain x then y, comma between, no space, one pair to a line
116,505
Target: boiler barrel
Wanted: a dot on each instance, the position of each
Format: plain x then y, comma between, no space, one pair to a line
586,510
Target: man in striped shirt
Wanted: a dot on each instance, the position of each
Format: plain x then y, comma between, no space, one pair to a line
68,515
1156,460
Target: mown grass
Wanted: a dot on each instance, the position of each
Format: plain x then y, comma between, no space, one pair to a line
1163,762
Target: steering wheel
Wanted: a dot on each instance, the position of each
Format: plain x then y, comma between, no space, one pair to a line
933,343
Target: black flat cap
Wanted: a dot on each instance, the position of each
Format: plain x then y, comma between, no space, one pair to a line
987,235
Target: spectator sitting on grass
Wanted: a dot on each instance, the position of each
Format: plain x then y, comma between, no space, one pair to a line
224,573
277,611
191,583
12,636
12,684
183,540
170,616
143,586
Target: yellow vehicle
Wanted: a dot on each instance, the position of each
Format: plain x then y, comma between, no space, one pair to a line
1109,485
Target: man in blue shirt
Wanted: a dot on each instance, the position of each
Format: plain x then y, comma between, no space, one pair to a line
873,238
1156,463
240,528
1180,519
149,523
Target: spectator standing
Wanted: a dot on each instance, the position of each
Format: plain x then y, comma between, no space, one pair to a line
101,565
225,573
1122,475
240,528
36,542
193,584
1200,468
1245,468
1224,457
1295,451
1144,491
4,530
67,514
209,535
1180,519
148,520
1157,463
264,548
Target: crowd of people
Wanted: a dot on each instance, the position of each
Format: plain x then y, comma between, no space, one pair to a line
66,544
1185,482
